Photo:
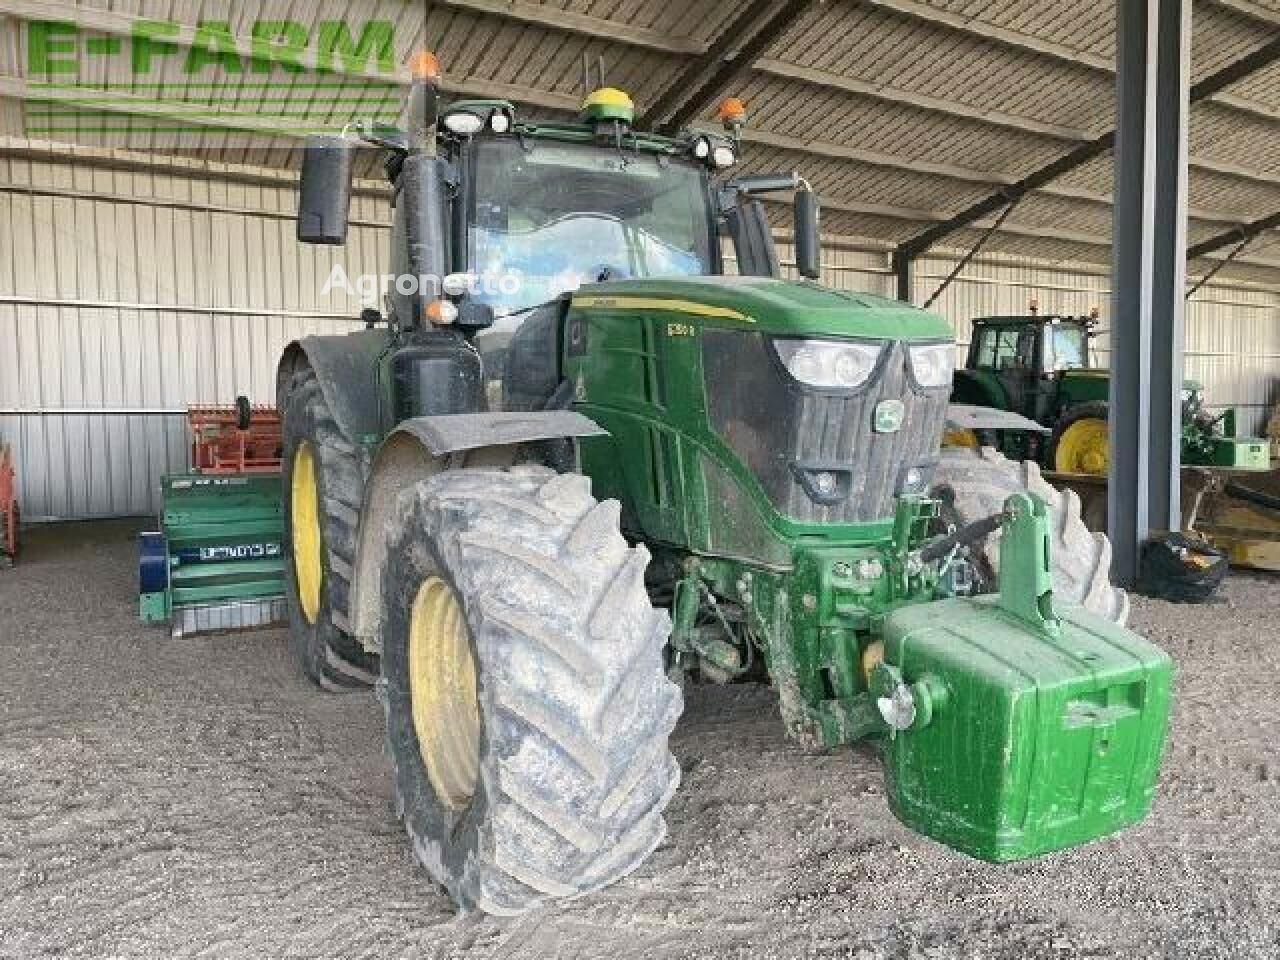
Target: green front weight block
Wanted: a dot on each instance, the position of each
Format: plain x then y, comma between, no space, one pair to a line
1019,728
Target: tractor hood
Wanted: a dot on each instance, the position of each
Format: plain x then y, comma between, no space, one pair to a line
771,306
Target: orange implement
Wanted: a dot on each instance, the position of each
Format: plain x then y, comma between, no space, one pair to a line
235,439
8,505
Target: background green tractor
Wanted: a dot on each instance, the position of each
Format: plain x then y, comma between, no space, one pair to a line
1039,367
579,466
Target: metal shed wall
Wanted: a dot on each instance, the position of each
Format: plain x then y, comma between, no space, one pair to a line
127,295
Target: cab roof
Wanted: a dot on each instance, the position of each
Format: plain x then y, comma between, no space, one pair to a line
1030,318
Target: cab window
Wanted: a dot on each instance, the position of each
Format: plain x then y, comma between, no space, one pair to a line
1000,348
1066,347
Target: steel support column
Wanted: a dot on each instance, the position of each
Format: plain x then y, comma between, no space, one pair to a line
900,263
1153,43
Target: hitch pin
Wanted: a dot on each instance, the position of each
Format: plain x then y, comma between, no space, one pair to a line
898,710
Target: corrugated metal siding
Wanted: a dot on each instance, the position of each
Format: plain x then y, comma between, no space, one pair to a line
136,294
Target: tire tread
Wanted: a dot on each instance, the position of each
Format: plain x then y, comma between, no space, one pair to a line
546,579
330,656
981,481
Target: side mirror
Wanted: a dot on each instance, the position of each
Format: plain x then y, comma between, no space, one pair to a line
808,245
764,183
324,200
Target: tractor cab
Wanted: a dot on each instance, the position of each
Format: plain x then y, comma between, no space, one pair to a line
1037,366
1023,358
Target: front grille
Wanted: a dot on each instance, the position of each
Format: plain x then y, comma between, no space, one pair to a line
786,433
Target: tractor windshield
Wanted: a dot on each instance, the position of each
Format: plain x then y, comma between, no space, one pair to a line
1066,347
550,216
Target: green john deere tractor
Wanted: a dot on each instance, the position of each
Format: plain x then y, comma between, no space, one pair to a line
578,466
1038,366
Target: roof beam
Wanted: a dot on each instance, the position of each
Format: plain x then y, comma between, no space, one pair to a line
839,151
1240,234
713,56
1013,229
835,81
1259,59
1250,11
1082,154
983,30
1036,180
583,24
740,44
836,151
1233,170
908,213
951,108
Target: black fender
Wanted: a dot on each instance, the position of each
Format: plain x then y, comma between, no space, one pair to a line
420,448
346,368
980,388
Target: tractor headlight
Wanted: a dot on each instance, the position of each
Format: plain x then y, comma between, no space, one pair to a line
722,156
463,122
932,364
835,364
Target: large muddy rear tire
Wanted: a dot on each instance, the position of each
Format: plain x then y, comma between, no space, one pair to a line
526,702
975,484
324,469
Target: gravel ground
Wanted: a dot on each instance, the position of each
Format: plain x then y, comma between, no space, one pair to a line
196,798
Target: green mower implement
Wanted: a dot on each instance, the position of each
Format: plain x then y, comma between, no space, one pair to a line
1038,367
577,466
216,563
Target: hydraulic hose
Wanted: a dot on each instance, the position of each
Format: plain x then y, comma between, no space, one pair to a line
978,530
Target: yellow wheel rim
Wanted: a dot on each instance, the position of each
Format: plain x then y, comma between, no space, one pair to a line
1082,448
304,525
872,656
442,692
960,437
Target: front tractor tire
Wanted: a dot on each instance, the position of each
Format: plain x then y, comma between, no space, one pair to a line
527,706
973,484
1080,443
323,485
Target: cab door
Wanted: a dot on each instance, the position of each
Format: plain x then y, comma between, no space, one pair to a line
1018,368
